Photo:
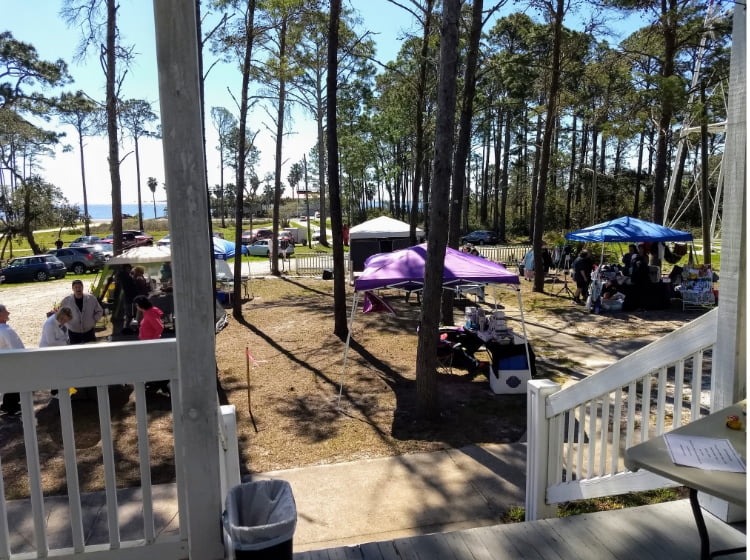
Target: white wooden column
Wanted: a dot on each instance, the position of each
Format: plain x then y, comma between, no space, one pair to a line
731,355
179,96
730,383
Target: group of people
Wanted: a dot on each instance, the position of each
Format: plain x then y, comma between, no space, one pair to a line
133,283
635,267
74,322
469,248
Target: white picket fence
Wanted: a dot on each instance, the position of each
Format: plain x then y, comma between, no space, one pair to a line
97,368
578,435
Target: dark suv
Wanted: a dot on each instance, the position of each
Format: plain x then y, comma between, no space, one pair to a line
79,260
37,267
480,237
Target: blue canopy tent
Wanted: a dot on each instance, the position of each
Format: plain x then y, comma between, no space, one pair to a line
225,249
627,229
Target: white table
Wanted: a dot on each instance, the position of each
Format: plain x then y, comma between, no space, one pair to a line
653,456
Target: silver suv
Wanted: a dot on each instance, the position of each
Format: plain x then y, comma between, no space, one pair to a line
79,260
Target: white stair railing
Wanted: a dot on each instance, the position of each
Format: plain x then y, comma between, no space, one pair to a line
578,435
105,372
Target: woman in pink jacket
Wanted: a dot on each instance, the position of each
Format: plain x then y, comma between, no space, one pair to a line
150,328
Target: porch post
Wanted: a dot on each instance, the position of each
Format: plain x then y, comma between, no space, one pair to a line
537,449
730,383
731,355
179,96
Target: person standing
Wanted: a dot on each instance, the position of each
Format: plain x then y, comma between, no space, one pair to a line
141,284
9,339
86,313
129,290
640,277
582,268
627,258
150,328
54,331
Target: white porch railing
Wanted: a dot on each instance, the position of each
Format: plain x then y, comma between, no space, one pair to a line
132,532
577,436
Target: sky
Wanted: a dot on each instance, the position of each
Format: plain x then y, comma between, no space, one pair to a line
38,23
53,39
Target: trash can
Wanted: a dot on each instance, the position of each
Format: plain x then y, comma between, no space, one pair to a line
260,518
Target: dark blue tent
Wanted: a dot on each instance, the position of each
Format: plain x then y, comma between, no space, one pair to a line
627,229
225,249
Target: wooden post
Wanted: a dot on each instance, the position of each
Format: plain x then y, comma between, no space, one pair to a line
730,383
537,449
179,96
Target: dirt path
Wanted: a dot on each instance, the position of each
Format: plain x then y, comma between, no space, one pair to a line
28,305
570,341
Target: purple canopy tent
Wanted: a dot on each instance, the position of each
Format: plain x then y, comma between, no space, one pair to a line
404,270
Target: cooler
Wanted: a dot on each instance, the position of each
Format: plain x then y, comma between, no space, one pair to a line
509,371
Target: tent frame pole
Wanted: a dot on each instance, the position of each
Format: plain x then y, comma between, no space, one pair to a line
346,348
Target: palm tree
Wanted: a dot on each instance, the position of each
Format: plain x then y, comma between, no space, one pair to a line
152,185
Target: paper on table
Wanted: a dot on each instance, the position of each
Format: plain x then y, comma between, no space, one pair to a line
711,454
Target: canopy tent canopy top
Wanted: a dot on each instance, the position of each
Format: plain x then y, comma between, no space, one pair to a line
628,229
382,227
404,269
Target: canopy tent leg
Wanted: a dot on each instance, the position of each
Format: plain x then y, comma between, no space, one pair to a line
523,326
346,348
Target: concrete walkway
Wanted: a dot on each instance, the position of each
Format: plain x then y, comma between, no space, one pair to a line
338,504
415,494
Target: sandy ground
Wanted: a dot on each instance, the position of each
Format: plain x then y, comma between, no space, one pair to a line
28,305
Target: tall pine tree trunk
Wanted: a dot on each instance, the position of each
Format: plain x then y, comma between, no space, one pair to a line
544,162
427,397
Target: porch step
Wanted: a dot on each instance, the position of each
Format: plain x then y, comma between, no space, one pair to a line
656,532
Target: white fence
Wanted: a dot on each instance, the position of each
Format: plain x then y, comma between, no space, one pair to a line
578,435
313,264
134,528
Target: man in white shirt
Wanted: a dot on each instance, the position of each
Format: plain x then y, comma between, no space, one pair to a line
54,331
9,339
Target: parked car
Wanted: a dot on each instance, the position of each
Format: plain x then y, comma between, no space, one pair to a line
104,249
80,260
286,236
480,237
251,236
141,237
85,241
164,241
131,238
37,267
262,248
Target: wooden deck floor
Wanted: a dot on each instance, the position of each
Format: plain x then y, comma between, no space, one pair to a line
659,532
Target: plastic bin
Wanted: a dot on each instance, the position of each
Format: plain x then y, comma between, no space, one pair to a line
260,518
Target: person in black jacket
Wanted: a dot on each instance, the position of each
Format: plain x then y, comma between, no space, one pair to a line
126,283
640,277
582,268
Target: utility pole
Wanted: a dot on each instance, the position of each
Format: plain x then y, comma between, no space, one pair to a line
307,201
